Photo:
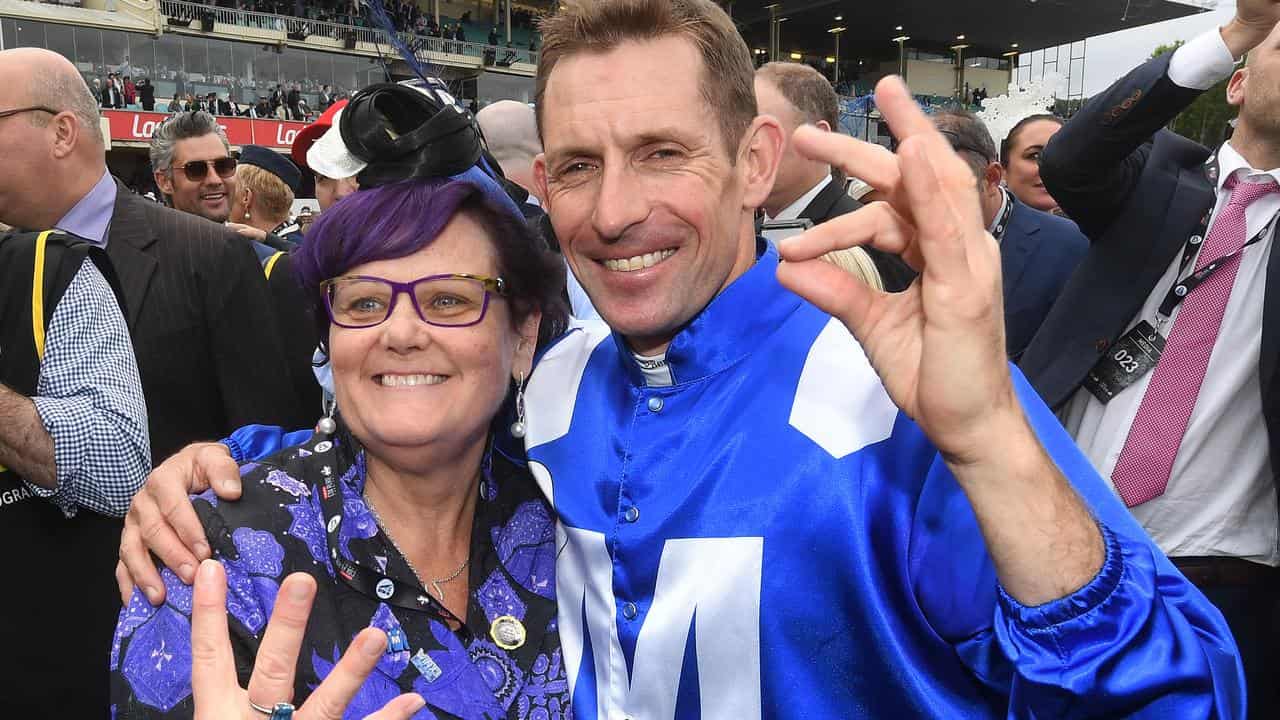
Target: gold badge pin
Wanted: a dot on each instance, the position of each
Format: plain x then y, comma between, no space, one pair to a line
507,632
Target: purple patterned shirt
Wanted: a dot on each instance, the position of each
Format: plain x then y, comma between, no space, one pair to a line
277,528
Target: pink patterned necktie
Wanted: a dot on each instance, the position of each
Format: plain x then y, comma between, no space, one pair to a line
1143,469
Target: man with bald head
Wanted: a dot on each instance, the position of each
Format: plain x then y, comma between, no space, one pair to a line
511,131
196,301
73,421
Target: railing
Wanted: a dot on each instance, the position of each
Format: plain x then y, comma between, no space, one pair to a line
182,11
193,12
502,56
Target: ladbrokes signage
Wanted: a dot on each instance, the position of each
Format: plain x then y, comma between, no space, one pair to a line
135,126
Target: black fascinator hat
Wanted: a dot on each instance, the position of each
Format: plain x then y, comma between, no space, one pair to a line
408,131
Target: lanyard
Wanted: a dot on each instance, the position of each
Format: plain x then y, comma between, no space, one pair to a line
1182,288
364,580
1002,223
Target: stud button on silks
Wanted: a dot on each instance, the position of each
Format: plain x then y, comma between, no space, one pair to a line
655,404
629,611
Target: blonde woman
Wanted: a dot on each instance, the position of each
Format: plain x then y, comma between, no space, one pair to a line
857,262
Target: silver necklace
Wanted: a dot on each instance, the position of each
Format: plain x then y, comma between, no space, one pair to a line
436,583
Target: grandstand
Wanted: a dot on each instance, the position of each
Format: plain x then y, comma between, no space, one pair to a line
196,48
187,48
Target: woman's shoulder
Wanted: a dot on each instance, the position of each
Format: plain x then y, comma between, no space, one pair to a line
279,497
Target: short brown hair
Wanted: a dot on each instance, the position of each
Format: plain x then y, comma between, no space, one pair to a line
969,137
270,193
602,25
806,89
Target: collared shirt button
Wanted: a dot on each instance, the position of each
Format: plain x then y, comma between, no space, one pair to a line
632,514
655,404
629,611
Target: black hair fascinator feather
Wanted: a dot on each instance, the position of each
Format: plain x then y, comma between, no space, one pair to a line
379,15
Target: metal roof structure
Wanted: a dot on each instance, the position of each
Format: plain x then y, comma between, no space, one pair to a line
990,28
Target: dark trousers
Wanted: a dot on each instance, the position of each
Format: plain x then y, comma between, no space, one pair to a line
1253,613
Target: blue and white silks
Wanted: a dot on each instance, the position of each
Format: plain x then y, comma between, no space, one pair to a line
771,538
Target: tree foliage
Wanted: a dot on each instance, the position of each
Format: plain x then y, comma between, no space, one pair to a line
1206,120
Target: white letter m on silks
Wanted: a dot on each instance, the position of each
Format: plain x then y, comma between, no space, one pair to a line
710,583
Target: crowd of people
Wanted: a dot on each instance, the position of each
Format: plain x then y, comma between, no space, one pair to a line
551,409
283,102
407,16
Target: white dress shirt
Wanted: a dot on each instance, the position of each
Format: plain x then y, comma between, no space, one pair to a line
792,211
1221,498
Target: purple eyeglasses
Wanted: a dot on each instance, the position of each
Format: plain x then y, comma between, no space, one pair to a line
452,300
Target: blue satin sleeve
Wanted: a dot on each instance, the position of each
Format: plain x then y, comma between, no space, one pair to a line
1138,640
254,442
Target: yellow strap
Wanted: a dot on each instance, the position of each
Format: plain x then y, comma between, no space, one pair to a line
271,263
37,295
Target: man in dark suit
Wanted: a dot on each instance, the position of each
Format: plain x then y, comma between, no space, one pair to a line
294,99
796,95
1038,251
1162,352
147,95
111,95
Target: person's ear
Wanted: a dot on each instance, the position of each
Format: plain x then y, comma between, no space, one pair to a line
523,361
540,176
164,181
759,158
66,133
994,175
1236,86
823,125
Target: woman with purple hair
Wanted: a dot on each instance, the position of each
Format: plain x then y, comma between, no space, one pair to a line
400,511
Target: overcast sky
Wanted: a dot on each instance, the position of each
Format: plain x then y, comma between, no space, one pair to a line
1110,56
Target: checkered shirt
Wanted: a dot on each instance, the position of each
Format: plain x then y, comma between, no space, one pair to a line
89,398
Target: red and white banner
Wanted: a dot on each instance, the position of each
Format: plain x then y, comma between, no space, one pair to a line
136,126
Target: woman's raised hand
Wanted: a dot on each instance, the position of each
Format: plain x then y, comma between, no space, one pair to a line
217,694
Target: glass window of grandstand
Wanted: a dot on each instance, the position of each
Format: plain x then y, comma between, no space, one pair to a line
265,70
60,39
169,80
115,52
142,56
88,57
293,68
345,69
195,63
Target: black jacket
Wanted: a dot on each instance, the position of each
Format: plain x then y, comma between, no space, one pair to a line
199,311
833,202
112,97
1138,192
1038,253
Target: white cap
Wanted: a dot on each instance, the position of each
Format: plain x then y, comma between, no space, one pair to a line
329,155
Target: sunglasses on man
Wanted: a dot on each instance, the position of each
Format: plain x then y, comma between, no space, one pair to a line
197,170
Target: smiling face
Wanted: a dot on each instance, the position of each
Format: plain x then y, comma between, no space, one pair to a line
405,386
1023,173
652,213
211,196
